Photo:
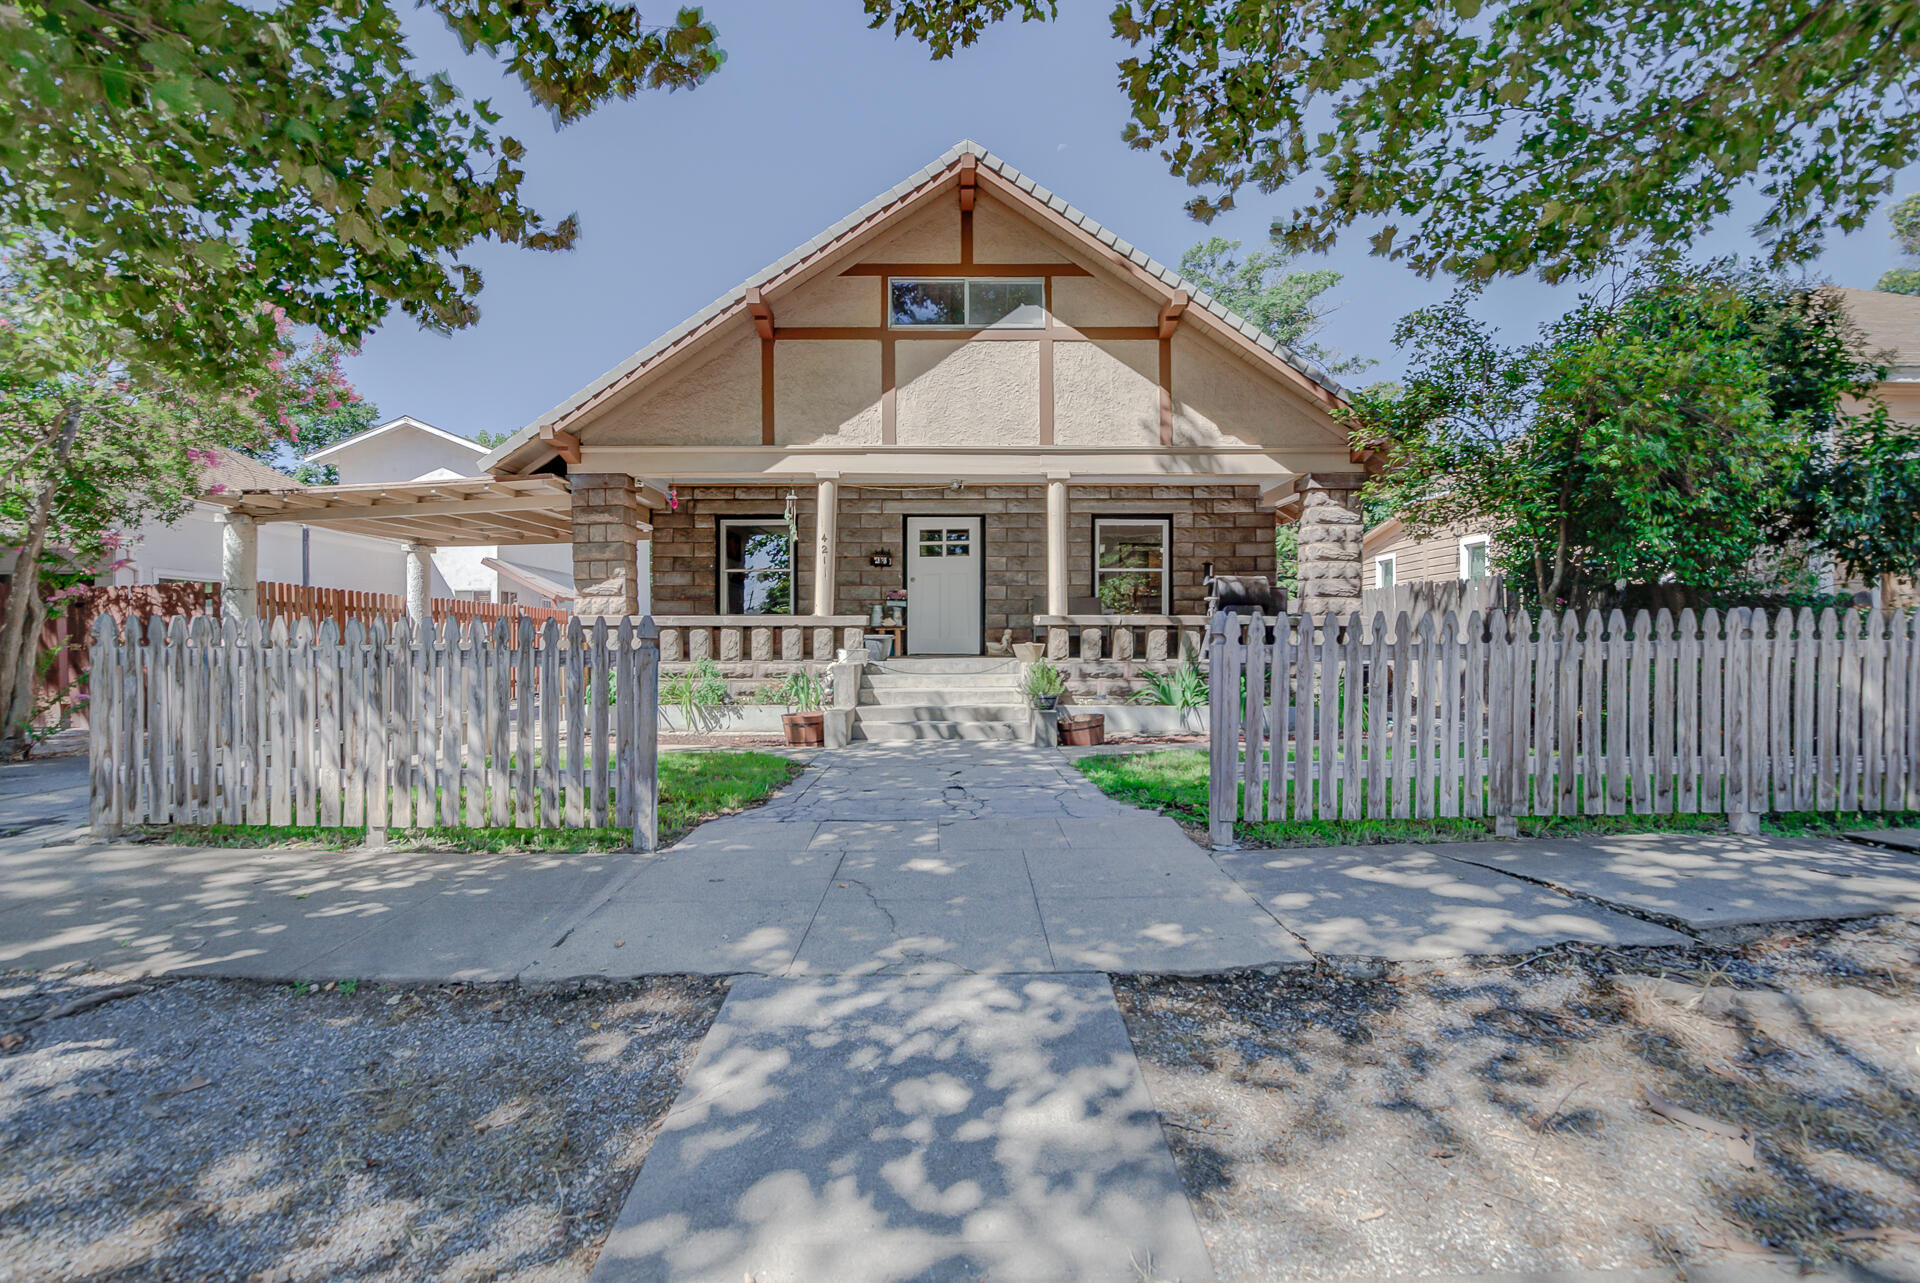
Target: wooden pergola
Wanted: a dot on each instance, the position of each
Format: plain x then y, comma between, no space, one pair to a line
445,513
423,515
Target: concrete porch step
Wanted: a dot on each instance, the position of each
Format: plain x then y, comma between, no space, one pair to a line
944,665
921,695
945,730
941,711
890,683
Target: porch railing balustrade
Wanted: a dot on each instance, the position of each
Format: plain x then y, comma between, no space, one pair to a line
1152,639
734,639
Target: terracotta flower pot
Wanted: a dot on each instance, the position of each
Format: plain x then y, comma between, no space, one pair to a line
804,729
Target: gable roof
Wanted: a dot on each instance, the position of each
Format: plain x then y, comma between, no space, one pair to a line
1891,323
236,471
404,423
867,219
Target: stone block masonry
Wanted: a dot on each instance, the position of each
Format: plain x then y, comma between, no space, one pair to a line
1219,524
606,535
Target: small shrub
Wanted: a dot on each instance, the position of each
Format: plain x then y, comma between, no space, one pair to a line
1184,687
1042,680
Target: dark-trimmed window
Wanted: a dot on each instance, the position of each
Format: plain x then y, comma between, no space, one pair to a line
756,566
1130,558
966,303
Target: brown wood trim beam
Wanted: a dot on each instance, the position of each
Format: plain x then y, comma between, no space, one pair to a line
1166,390
966,269
1170,315
969,176
1046,369
888,420
761,313
911,333
766,388
564,444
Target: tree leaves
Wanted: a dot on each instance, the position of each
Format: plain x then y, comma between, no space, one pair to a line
1673,427
1641,119
187,166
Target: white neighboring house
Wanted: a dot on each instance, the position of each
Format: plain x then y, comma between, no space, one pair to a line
188,549
407,449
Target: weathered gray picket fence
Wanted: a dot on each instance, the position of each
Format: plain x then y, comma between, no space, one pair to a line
477,725
1504,715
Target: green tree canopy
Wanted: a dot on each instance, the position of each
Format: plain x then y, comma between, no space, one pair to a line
1260,287
1682,426
180,168
1490,137
1906,234
105,444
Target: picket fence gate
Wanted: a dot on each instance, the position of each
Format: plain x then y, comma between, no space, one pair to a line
1506,715
470,725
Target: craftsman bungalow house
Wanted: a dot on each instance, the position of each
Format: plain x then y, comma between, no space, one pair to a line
966,401
967,394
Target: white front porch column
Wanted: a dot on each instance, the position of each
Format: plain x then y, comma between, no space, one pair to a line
419,581
825,545
239,567
1056,546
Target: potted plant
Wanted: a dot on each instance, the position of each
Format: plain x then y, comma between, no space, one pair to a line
1044,684
896,605
806,725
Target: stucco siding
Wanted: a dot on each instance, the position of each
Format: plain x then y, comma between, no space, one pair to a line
827,393
968,393
931,236
1002,235
1106,393
716,402
1219,399
830,300
1092,300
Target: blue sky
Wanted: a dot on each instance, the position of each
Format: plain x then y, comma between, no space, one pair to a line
682,196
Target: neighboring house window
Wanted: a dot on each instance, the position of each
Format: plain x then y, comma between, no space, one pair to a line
1130,564
1383,571
1474,551
969,304
756,567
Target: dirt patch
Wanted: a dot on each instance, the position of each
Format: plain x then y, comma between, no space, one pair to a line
227,1130
1585,1108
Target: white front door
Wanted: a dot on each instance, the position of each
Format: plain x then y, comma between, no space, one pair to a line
943,585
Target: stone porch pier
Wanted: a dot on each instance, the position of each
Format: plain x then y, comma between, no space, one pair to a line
1330,534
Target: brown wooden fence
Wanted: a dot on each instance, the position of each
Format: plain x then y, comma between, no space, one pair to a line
303,601
62,685
205,722
1505,715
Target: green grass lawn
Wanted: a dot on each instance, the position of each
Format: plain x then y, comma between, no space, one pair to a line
695,786
1174,783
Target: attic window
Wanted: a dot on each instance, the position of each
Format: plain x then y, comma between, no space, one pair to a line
977,303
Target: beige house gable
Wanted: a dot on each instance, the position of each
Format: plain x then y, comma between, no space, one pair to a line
799,370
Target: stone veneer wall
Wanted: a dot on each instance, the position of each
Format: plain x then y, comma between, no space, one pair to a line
1219,524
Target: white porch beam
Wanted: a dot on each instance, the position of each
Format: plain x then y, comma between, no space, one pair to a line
239,567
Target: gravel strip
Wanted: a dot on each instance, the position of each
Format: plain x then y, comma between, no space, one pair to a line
1492,1115
229,1130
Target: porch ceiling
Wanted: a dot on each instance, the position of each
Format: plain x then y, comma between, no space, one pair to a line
447,512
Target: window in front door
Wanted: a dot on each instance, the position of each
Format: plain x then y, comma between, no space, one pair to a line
946,543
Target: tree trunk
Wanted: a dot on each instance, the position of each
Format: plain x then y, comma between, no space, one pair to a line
20,625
